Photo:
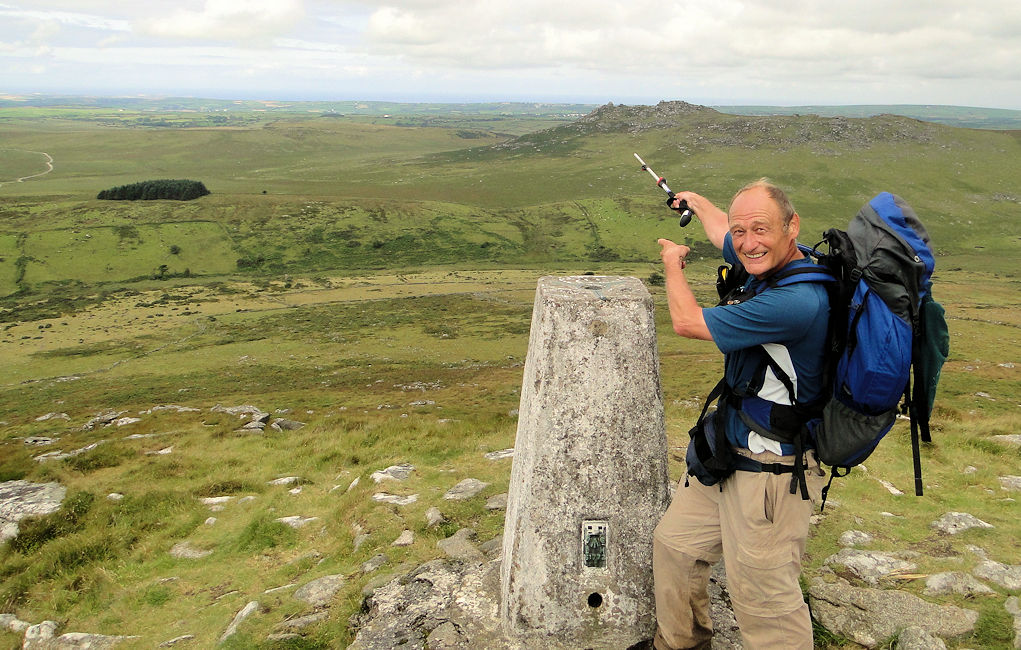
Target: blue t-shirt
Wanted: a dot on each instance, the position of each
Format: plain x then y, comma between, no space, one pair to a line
789,324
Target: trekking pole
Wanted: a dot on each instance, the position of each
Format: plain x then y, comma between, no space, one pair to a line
682,207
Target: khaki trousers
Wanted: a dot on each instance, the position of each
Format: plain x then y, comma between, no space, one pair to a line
759,528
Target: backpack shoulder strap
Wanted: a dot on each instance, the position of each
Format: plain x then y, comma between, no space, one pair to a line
799,273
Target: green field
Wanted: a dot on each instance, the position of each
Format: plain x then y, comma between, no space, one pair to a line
375,280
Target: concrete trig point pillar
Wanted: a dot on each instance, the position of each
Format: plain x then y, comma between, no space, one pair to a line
589,479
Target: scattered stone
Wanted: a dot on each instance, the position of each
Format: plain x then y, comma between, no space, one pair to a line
395,499
407,538
977,550
273,590
301,622
115,496
955,522
126,421
254,425
1010,439
143,436
169,407
176,640
185,551
1004,575
161,452
210,521
354,484
283,636
499,455
296,521
12,623
374,563
955,582
246,499
1013,607
970,469
57,455
433,517
393,473
320,591
216,501
39,441
851,538
868,566
286,480
360,536
466,489
296,490
891,488
53,416
43,637
493,547
39,636
915,638
20,499
240,411
497,502
871,616
239,618
1010,483
460,547
104,419
282,424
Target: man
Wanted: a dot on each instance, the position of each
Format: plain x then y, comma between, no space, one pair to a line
751,518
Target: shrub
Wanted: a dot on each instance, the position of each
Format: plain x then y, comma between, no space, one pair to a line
177,190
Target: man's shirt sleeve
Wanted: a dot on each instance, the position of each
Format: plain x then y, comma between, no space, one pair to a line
775,316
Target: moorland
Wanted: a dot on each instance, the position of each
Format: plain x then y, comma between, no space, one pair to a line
371,276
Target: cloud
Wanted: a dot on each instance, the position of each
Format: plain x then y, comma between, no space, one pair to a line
758,51
245,21
768,38
71,19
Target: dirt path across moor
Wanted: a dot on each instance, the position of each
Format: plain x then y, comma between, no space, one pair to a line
49,168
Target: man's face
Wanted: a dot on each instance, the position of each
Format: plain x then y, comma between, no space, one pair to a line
756,227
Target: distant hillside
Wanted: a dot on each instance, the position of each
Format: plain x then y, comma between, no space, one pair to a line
969,117
962,116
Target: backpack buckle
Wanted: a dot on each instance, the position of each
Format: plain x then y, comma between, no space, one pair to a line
856,274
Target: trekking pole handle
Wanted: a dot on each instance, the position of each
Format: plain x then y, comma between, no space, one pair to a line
682,207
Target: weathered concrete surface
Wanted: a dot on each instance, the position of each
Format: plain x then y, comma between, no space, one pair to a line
591,446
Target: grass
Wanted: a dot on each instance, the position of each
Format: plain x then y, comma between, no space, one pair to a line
380,291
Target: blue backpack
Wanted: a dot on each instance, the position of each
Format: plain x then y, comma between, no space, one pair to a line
884,324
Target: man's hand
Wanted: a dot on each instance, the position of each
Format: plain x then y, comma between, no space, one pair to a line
713,219
673,254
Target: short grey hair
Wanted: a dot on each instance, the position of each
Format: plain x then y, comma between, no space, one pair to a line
774,192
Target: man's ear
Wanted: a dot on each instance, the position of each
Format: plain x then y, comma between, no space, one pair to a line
794,225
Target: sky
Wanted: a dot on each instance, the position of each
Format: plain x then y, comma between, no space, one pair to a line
713,52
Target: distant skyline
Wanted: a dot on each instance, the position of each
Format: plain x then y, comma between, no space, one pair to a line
769,52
